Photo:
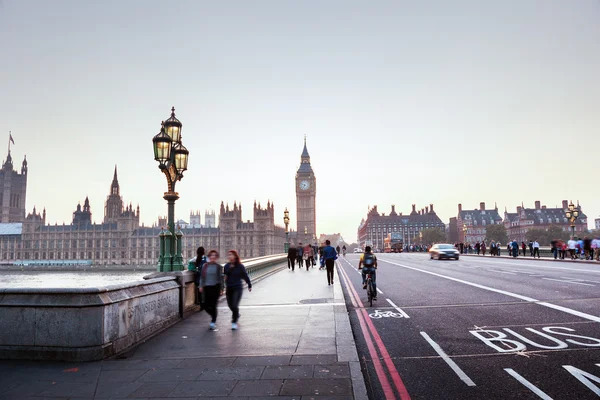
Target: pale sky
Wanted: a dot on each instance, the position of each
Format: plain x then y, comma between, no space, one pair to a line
402,102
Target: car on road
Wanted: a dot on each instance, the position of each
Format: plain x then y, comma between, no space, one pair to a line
357,250
441,250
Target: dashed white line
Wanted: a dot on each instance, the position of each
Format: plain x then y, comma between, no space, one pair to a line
379,291
461,374
528,384
501,272
401,311
568,281
504,292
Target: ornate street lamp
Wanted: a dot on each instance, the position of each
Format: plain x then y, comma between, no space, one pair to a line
465,229
572,213
286,221
172,158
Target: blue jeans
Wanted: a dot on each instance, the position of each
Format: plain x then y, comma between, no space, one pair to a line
373,273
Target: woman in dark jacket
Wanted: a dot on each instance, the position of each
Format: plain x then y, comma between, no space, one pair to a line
235,274
211,285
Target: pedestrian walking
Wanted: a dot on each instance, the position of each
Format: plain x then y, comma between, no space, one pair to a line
299,251
329,255
572,245
307,254
524,249
515,249
563,247
198,263
536,249
596,247
554,248
211,286
530,248
291,259
587,248
235,274
483,248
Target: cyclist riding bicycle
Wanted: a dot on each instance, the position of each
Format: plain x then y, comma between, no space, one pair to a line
368,264
344,250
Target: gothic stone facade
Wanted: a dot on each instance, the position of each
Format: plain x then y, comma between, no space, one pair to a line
306,193
14,191
120,240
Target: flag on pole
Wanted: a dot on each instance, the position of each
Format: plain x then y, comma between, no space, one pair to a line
11,138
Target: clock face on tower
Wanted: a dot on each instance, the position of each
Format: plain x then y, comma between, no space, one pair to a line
304,185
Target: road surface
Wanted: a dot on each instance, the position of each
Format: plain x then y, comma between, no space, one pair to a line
477,328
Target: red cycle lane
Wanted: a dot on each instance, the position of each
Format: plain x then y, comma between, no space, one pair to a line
375,346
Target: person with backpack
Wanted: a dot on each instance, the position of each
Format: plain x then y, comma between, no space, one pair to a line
329,255
368,264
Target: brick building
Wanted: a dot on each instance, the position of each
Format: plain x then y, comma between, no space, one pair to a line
475,221
375,228
541,217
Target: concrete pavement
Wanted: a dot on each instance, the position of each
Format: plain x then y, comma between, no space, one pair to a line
295,342
478,328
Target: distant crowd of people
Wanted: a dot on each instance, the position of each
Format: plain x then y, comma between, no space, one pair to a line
575,248
308,255
416,248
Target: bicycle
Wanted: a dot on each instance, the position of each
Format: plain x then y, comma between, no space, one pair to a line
370,289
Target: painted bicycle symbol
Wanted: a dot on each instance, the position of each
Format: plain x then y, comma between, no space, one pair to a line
385,314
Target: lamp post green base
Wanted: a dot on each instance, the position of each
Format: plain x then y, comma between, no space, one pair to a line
170,258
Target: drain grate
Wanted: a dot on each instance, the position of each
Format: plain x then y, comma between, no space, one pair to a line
315,301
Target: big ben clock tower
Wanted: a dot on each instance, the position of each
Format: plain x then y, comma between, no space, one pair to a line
306,193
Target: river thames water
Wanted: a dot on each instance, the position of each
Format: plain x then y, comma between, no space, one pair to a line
67,279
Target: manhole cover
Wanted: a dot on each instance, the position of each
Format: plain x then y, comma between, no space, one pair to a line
314,301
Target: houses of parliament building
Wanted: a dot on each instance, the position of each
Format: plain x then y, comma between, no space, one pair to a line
120,239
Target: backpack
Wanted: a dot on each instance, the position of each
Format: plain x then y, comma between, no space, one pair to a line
369,260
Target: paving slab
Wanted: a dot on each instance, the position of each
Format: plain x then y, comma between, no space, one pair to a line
258,388
293,330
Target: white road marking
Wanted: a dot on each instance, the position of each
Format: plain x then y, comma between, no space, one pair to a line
528,384
379,291
457,370
285,305
568,281
501,272
513,264
578,280
405,315
584,377
504,292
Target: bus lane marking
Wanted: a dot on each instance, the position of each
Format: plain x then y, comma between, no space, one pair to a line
457,370
528,384
506,293
585,377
